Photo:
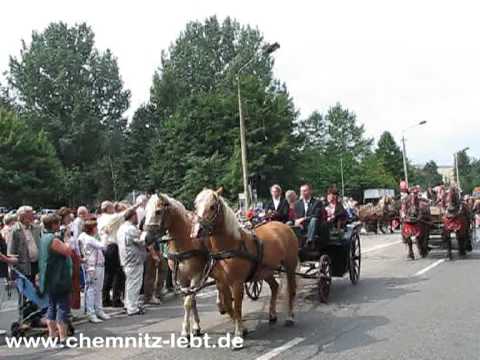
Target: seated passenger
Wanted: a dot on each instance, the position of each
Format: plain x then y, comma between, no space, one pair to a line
291,197
277,209
310,214
336,214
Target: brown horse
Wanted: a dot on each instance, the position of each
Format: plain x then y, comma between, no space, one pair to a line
380,216
415,217
457,220
238,253
187,259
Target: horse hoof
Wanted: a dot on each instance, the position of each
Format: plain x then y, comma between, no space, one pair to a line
197,332
289,323
244,332
222,312
272,320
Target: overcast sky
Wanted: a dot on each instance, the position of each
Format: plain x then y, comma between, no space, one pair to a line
392,63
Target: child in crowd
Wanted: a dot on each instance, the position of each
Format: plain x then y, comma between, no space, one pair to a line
95,271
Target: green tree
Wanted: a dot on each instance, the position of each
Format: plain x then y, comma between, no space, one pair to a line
390,155
427,176
30,172
71,91
194,101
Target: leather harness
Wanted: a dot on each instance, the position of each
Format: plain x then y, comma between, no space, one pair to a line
211,260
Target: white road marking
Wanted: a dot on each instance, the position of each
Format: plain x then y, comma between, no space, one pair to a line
11,308
381,246
206,294
429,267
272,353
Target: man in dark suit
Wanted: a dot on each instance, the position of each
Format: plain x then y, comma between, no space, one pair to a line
277,209
310,214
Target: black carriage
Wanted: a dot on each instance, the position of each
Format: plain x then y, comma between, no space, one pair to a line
340,255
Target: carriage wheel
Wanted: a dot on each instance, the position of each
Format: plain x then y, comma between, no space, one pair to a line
253,289
324,277
355,259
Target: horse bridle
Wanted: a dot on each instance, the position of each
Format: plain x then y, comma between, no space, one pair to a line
209,224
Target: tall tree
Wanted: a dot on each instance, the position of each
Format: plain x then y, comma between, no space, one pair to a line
30,172
195,101
72,91
390,155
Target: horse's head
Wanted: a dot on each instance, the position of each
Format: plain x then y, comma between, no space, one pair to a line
157,219
412,207
208,210
453,201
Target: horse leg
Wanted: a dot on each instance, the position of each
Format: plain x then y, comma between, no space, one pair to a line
461,238
409,243
272,313
292,292
224,295
448,241
187,306
220,302
237,289
196,319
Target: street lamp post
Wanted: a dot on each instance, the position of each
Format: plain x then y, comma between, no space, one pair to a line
267,49
404,152
455,159
341,173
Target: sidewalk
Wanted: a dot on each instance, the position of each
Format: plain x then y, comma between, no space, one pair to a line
9,313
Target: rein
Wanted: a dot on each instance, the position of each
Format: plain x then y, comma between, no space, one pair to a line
178,257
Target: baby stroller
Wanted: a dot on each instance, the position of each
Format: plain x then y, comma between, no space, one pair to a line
32,306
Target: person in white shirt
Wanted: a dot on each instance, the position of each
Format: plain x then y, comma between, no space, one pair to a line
133,253
108,225
95,271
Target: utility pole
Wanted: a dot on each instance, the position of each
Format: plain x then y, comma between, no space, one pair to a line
267,50
405,171
341,173
243,146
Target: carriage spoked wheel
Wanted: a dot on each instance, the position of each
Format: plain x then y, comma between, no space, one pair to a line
254,289
324,277
355,259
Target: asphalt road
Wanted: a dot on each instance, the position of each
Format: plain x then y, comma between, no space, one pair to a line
422,309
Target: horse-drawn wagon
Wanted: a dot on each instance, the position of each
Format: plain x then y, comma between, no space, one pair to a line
340,255
436,224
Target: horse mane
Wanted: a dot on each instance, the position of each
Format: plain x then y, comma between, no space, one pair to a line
231,221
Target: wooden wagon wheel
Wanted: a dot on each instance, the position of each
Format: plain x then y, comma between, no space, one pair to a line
355,259
324,277
253,289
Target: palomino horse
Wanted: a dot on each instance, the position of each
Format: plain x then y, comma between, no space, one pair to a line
187,259
456,219
242,256
415,216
